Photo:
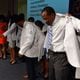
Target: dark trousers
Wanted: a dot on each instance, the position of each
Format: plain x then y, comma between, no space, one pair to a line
33,69
59,68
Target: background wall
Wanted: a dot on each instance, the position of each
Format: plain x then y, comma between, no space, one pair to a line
8,7
3,7
34,7
22,7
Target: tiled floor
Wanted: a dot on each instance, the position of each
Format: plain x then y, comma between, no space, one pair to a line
11,72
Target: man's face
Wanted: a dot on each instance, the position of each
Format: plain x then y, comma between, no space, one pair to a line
48,18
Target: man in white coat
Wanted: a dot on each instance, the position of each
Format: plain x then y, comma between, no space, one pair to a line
31,44
63,51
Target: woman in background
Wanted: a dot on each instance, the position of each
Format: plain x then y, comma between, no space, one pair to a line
3,28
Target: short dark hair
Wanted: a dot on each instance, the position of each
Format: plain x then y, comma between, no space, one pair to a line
14,18
49,10
39,23
20,17
31,19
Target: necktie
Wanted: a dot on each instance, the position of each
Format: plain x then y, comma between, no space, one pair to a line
49,37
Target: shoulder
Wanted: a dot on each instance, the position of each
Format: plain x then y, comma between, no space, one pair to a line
28,24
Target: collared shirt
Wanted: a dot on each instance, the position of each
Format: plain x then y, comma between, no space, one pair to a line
58,31
58,34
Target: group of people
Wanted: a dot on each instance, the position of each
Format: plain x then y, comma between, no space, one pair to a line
13,29
61,45
58,48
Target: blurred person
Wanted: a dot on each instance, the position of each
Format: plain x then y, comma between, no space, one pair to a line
11,37
21,17
31,19
3,40
31,47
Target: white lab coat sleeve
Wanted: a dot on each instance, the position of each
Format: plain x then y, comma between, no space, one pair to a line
13,26
71,45
27,38
76,23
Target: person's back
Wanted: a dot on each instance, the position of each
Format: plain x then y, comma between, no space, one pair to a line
11,37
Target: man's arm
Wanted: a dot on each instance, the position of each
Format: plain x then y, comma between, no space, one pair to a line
13,26
27,38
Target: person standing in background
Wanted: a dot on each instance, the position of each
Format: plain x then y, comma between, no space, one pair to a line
31,47
11,37
31,19
3,40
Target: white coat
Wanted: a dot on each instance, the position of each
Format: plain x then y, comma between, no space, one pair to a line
32,39
72,44
71,41
11,32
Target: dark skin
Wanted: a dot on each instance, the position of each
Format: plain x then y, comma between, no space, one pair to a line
48,18
20,23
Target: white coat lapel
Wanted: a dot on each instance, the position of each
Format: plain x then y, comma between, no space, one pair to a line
71,45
